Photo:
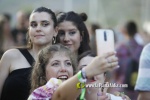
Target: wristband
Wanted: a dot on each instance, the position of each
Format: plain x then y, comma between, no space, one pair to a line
82,80
83,73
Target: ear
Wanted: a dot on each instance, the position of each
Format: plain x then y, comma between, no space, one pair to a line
56,31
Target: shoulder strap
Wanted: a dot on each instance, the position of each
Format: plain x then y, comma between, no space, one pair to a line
27,55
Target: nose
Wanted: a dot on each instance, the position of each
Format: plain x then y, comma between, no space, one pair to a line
63,68
38,28
66,38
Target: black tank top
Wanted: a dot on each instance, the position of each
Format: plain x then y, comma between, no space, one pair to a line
17,84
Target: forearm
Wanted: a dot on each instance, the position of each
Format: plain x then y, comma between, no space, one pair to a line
67,90
144,96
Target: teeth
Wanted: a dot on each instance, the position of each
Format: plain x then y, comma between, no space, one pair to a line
63,77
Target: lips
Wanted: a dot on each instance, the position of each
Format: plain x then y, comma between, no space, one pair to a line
68,45
62,77
37,36
91,79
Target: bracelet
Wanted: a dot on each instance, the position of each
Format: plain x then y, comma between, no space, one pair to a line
83,73
82,80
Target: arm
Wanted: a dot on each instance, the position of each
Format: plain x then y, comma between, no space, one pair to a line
143,84
68,90
5,64
144,96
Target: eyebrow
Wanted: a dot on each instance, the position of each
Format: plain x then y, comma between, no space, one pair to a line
41,21
45,21
59,61
72,29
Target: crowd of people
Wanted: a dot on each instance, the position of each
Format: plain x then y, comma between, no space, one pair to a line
47,54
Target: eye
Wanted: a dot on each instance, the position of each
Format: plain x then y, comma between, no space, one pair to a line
44,24
68,64
61,33
33,25
72,33
55,64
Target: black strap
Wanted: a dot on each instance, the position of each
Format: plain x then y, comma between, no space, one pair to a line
27,55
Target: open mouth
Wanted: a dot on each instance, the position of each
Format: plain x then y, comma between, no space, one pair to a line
91,79
62,77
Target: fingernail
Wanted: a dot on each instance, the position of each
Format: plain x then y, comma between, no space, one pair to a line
99,94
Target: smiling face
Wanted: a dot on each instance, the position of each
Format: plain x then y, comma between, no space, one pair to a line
59,66
84,62
69,35
41,28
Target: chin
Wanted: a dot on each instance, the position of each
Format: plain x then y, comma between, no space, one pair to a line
41,43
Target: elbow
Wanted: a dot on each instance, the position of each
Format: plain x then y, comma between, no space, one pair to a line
58,95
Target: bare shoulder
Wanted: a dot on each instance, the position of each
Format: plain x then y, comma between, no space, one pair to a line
11,54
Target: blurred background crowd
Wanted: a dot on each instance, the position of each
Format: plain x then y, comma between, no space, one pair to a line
129,19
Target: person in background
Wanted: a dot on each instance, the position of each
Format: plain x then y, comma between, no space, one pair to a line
16,64
72,31
93,28
129,54
97,93
5,31
143,83
19,32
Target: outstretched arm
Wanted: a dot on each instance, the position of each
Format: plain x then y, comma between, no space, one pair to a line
68,90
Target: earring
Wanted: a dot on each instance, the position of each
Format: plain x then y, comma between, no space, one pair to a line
54,40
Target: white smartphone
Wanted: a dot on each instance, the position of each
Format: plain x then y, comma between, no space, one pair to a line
104,41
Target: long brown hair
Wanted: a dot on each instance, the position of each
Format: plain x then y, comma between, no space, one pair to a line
38,77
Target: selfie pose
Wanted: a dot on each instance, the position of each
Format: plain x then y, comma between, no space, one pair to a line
55,66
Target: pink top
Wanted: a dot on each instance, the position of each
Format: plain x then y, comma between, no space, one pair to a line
45,92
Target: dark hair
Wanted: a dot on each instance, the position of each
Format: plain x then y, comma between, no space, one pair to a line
7,16
131,28
87,53
95,26
78,22
49,11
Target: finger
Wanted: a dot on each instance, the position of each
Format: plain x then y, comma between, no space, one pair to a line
105,88
102,96
112,65
112,59
117,93
106,55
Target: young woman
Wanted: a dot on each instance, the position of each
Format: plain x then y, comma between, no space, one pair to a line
73,32
15,65
55,64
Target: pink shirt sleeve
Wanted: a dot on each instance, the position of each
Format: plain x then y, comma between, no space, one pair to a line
45,92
